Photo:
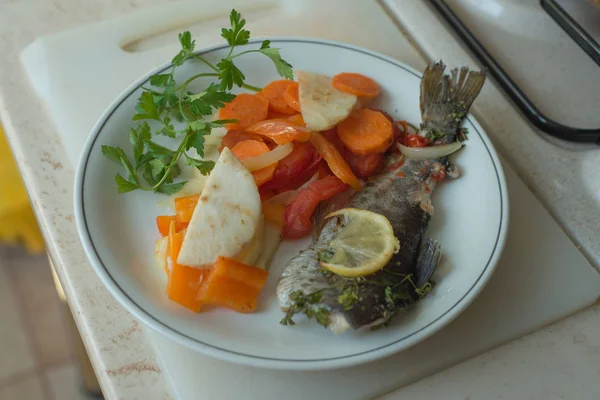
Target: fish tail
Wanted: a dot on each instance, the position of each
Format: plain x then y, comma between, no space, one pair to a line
430,254
446,99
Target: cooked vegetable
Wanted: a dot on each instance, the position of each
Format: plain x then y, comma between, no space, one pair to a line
274,93
322,105
272,238
430,152
414,140
335,161
160,253
293,170
297,119
235,136
366,165
273,212
233,285
281,131
366,131
298,215
275,115
183,282
291,97
226,217
250,149
356,84
270,158
192,186
251,250
163,223
154,167
288,196
246,108
184,208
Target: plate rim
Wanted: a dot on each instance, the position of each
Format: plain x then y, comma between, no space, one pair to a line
269,362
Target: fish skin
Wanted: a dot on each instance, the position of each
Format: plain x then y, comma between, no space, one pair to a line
402,193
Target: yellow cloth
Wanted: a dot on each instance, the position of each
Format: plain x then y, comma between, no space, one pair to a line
17,222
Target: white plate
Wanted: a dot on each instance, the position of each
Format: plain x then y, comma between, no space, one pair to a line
118,231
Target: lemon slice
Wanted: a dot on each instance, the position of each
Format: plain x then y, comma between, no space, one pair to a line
364,244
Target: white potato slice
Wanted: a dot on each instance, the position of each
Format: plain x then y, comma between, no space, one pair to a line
322,105
272,238
251,250
226,216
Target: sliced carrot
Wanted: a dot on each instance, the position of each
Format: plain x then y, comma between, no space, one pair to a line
297,120
252,148
274,92
246,108
183,282
356,84
275,115
235,136
184,208
366,131
274,212
233,285
335,161
291,96
163,223
281,131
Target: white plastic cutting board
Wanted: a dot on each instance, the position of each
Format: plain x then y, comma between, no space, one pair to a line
540,279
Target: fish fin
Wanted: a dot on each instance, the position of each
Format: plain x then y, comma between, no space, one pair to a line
446,99
430,254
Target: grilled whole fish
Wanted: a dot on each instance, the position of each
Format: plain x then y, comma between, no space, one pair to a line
402,193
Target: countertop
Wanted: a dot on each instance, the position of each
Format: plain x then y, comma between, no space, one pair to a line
559,361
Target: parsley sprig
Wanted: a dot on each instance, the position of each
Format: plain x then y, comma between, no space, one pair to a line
171,110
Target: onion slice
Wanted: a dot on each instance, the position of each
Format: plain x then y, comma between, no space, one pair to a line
431,152
266,159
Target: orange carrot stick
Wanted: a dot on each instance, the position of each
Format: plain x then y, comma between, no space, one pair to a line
281,131
274,92
335,161
184,208
183,282
366,131
246,108
356,84
252,148
291,97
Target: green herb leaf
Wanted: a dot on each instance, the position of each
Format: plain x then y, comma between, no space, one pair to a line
187,48
236,36
160,80
123,185
229,74
137,137
167,129
112,153
146,108
196,141
171,188
204,166
284,68
265,44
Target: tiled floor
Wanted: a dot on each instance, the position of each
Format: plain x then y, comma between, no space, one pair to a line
37,354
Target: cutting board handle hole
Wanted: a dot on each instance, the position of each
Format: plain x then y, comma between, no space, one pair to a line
205,30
